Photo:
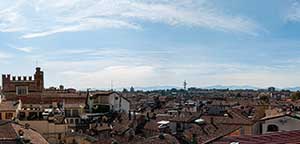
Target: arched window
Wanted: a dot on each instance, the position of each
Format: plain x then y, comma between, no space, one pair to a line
272,128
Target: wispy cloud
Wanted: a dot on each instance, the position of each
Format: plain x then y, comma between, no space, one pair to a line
25,49
293,13
4,55
48,17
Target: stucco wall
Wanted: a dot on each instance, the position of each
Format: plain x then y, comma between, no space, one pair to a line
285,123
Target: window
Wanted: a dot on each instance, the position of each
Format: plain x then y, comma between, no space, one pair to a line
22,115
22,90
71,121
77,121
75,113
8,115
0,116
32,116
68,113
272,128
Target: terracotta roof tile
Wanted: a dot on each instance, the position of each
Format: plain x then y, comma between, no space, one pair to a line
6,131
207,132
33,136
8,105
276,138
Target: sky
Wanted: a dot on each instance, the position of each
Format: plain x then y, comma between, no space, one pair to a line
93,43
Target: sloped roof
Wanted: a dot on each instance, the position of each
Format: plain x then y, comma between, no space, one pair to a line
208,132
30,134
8,105
275,138
279,116
9,133
234,117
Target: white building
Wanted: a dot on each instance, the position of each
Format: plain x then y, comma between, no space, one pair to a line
281,122
108,101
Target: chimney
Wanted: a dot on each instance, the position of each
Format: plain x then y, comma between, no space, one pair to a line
30,78
14,78
134,115
19,78
212,120
194,139
21,134
148,116
129,115
24,78
161,136
27,126
38,69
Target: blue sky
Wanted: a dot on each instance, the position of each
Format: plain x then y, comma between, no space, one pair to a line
89,43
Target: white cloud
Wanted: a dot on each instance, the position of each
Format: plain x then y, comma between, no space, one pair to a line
99,74
47,17
293,13
88,24
4,56
25,49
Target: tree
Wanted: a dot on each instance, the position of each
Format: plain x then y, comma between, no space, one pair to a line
295,96
265,98
125,90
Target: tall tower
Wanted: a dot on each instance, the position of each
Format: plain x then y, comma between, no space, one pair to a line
39,79
184,84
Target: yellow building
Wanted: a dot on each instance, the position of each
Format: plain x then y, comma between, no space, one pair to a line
9,109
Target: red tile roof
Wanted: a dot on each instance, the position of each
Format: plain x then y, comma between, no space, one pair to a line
30,134
234,117
9,132
208,132
8,105
274,138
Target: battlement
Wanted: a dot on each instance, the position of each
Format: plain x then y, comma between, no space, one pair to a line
34,83
8,77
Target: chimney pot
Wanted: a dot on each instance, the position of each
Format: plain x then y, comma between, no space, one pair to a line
38,69
27,126
129,115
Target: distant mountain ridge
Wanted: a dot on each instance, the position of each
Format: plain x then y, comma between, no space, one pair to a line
231,87
156,88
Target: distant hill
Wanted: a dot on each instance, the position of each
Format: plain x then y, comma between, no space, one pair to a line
156,88
293,88
232,87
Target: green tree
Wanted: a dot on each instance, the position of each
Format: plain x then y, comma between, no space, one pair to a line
295,96
265,98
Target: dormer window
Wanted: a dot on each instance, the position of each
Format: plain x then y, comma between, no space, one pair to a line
22,90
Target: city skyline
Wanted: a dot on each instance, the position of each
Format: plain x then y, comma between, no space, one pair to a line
146,43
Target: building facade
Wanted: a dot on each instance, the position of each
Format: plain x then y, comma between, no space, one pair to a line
23,87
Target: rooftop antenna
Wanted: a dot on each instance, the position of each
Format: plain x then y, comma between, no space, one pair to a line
36,63
112,85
